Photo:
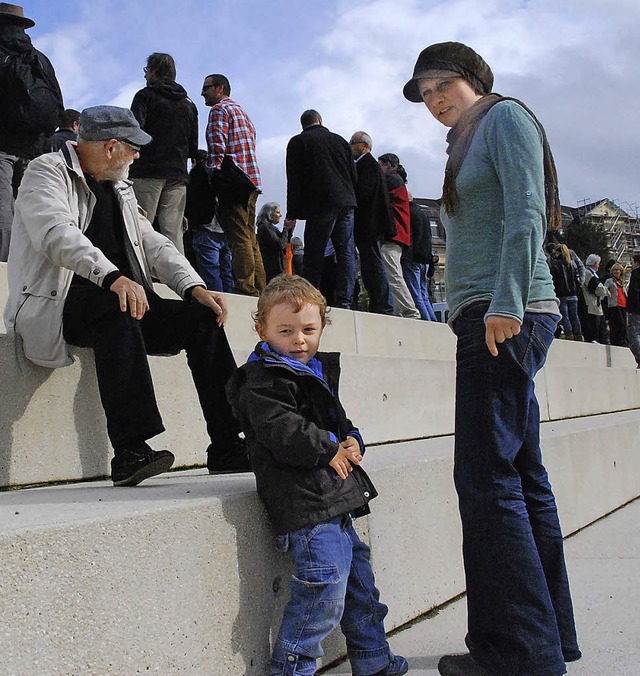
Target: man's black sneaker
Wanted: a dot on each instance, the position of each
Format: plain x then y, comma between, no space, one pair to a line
131,466
461,665
228,457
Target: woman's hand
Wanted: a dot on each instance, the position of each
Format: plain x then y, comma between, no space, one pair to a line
499,329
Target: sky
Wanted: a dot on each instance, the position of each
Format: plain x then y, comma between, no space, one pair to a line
573,62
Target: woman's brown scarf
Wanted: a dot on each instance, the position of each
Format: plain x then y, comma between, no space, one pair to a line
459,139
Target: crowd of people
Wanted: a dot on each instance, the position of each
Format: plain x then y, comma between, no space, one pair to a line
596,306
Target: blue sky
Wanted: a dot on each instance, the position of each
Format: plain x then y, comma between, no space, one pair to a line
574,62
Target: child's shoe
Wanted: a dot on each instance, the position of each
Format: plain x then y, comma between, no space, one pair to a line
397,667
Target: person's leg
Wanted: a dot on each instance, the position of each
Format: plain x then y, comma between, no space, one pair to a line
342,238
7,163
574,319
234,219
633,332
424,285
519,608
411,276
317,231
402,301
148,191
206,247
260,276
226,263
321,558
362,621
374,275
566,320
170,211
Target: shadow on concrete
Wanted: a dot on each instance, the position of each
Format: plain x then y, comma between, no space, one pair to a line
264,574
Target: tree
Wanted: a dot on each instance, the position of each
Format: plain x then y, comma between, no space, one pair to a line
587,236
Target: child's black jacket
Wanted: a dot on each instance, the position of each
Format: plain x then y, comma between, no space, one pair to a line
287,415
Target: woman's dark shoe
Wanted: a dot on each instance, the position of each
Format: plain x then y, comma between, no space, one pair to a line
461,665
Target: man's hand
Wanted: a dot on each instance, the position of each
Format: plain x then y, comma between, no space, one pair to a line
131,294
212,300
499,329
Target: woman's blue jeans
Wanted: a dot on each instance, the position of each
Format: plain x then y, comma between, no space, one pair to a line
415,277
520,615
570,319
332,585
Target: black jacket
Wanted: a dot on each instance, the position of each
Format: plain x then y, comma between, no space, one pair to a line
374,216
287,416
200,205
164,110
564,277
272,243
633,292
14,42
419,250
321,173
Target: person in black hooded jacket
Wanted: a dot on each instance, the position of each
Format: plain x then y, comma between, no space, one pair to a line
24,124
164,111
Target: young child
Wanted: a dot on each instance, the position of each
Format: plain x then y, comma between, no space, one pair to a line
306,453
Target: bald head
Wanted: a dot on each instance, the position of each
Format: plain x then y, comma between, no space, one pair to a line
360,143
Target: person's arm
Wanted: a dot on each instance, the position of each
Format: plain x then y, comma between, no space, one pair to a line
193,135
217,136
515,150
272,239
139,107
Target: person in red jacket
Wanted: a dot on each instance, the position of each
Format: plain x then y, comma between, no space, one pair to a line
393,247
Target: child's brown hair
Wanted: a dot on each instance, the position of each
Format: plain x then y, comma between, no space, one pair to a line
291,289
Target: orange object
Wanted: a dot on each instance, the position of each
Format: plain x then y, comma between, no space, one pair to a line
288,259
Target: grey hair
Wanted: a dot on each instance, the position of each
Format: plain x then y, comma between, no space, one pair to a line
267,212
592,258
364,138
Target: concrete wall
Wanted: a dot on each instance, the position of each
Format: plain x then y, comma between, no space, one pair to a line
179,575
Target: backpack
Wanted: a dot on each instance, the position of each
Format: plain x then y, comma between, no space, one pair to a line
33,102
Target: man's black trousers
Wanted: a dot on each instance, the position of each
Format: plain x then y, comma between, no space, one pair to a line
92,318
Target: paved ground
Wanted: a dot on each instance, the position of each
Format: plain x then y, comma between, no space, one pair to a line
604,570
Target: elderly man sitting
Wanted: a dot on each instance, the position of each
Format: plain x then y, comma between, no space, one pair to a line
81,265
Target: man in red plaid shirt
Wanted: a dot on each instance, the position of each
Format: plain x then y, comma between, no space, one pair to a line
231,140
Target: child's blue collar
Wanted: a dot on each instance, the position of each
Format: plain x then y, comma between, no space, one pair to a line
313,367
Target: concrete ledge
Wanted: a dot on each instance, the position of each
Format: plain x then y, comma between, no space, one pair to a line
179,575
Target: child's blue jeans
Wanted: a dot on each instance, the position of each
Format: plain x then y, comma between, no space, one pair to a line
332,584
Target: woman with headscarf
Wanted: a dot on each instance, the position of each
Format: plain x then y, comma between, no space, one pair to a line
499,196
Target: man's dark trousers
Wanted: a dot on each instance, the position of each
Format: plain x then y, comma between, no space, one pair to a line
92,318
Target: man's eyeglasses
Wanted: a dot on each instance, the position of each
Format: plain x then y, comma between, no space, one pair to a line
205,87
136,149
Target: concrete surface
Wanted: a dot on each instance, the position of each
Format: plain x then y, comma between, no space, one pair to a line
604,570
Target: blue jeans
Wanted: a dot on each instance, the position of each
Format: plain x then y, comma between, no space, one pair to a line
335,225
570,320
415,277
332,585
213,258
520,615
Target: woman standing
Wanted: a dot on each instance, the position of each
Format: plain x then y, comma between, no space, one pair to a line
499,194
617,307
272,242
565,282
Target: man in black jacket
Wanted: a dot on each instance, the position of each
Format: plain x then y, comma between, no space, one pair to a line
321,178
164,111
373,221
30,110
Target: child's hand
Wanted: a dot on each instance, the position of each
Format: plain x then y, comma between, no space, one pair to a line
352,448
341,463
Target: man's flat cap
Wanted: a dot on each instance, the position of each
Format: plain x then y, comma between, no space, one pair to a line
102,123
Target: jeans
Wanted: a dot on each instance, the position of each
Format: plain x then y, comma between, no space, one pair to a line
237,217
335,225
520,615
213,259
415,277
332,585
92,318
374,275
570,320
402,301
163,199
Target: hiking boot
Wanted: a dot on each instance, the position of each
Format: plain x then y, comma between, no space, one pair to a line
461,665
132,465
396,667
228,457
